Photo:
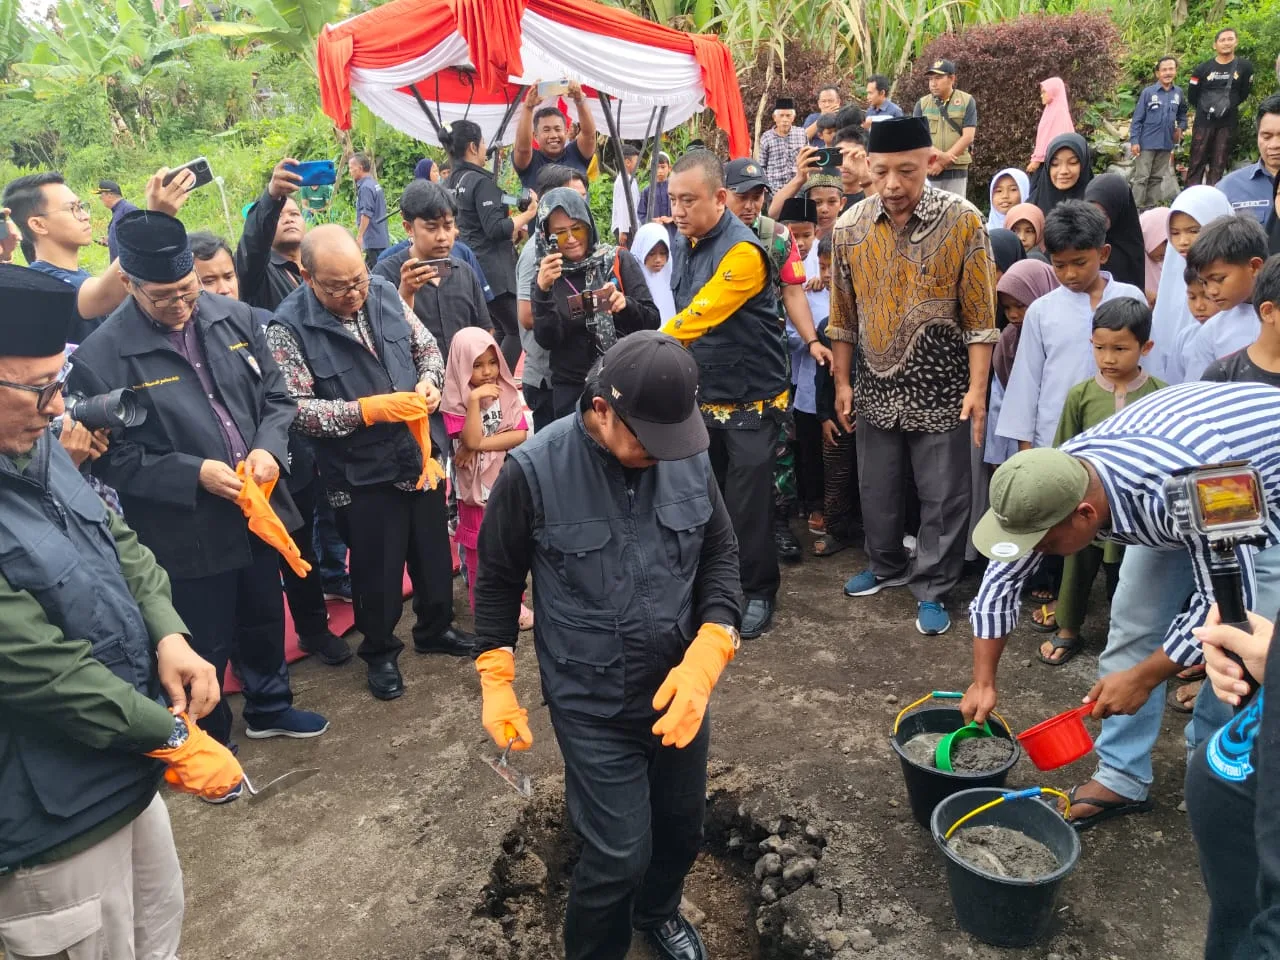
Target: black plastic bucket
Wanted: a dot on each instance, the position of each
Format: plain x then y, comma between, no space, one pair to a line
1005,911
928,786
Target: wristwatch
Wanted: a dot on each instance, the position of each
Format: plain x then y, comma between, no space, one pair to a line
733,632
179,735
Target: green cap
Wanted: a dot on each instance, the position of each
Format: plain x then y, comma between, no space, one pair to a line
1031,492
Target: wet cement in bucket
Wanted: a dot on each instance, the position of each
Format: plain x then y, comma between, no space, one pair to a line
1003,852
974,755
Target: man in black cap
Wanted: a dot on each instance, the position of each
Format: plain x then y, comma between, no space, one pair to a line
912,326
617,512
214,399
111,197
90,650
953,120
780,146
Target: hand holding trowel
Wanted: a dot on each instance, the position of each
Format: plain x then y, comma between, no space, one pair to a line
502,715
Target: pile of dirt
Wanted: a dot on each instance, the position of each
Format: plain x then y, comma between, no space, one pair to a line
1003,852
972,755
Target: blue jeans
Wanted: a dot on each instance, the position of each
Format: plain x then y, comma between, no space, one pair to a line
331,550
1153,589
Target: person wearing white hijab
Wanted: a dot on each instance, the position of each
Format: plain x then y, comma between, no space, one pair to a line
995,218
1171,316
648,237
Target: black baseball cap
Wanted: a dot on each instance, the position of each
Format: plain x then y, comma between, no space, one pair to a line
651,382
743,176
942,67
109,186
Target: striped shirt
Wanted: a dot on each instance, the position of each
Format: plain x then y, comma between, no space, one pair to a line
1134,453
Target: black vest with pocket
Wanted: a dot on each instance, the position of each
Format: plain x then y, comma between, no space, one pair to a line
614,569
56,545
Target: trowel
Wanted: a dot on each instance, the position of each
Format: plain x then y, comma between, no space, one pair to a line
521,783
282,782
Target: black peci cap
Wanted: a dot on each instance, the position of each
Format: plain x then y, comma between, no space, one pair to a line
37,313
651,382
899,135
154,247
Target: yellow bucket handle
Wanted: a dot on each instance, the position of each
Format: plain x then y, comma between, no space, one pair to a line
943,695
1011,795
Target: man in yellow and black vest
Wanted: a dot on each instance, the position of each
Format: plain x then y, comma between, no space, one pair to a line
953,120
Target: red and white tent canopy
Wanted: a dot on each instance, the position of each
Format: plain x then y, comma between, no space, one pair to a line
468,58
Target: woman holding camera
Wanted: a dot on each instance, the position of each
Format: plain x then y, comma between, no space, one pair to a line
586,294
486,225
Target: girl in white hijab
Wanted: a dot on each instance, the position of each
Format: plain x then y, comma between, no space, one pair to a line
652,247
1002,196
1193,209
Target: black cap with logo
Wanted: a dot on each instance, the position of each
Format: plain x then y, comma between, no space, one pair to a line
942,67
651,382
743,176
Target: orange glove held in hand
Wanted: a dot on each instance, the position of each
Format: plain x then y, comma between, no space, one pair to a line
392,408
502,714
688,686
254,501
201,766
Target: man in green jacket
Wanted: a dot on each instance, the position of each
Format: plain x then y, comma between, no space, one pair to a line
91,650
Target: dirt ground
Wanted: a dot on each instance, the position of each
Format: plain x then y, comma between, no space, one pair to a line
390,853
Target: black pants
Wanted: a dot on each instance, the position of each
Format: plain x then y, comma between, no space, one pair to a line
564,399
385,529
1210,152
743,464
807,450
541,406
841,505
238,616
371,257
638,807
506,327
306,594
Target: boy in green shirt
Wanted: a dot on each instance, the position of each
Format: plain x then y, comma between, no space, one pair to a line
1121,338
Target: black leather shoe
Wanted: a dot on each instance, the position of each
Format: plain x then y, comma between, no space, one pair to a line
454,642
784,540
677,939
328,647
385,681
756,618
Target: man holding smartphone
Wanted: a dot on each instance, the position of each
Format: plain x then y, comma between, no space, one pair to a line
549,124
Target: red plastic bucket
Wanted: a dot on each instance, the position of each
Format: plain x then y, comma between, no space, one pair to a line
1059,740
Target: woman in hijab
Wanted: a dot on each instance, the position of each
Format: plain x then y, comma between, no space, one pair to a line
652,247
1009,188
1055,120
586,294
1027,221
1155,240
1110,193
1065,174
1022,284
426,169
1194,208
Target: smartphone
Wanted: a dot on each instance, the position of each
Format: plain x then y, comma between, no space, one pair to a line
582,304
553,245
315,173
199,166
553,88
827,157
443,268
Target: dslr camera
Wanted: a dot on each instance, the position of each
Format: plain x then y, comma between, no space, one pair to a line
106,411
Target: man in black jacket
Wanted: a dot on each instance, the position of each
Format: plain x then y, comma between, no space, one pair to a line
213,398
1215,91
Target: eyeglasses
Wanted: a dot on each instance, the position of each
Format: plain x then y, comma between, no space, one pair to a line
578,231
80,209
45,394
345,289
166,303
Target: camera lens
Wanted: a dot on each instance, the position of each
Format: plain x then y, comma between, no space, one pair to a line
119,408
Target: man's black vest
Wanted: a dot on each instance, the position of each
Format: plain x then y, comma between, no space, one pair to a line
56,545
744,358
614,569
345,370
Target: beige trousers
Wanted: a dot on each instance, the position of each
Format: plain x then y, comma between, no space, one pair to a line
119,900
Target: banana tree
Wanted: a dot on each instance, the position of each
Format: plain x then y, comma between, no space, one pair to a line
15,37
291,25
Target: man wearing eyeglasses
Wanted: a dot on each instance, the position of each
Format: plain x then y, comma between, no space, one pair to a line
214,399
55,226
351,351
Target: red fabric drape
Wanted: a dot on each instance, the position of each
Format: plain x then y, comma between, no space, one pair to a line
492,31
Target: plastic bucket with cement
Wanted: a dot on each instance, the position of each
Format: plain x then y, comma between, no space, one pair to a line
926,785
1005,911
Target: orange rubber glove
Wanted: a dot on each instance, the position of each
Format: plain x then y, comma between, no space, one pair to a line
201,766
411,410
688,686
502,714
254,501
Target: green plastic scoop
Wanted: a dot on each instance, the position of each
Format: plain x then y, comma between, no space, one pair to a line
942,755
